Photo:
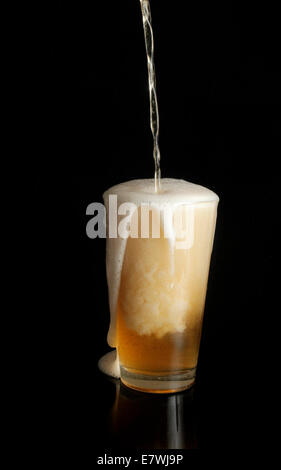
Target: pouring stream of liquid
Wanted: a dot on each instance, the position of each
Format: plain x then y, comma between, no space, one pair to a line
154,115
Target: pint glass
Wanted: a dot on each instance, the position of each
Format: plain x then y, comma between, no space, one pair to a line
157,279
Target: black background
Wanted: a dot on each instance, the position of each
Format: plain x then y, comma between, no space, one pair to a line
218,89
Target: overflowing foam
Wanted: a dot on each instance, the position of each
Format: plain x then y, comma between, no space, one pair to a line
173,192
109,364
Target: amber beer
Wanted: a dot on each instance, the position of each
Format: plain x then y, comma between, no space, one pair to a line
157,286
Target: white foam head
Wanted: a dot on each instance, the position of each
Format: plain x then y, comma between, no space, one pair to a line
172,191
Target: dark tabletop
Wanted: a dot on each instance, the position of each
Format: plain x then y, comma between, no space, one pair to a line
105,416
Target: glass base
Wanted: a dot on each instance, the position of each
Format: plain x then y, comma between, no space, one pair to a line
158,383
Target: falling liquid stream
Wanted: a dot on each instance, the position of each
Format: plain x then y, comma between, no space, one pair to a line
154,115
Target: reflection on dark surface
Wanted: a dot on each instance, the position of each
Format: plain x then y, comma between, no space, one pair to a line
140,420
214,414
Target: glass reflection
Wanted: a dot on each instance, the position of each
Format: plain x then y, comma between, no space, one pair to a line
140,420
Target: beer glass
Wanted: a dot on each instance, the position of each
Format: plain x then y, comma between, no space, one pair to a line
157,284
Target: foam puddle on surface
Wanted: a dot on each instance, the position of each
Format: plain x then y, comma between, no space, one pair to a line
173,192
109,364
